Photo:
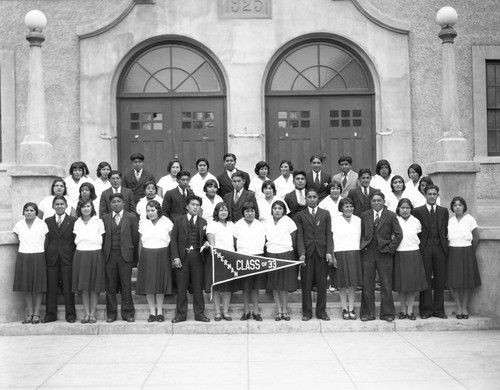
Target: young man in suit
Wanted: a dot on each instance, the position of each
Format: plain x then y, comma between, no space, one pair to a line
120,254
115,178
174,201
316,178
347,177
60,248
237,198
225,178
188,239
434,250
381,235
137,176
361,195
315,249
296,200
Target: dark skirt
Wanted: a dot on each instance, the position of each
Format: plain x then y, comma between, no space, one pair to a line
462,270
349,272
88,271
30,273
230,286
409,272
255,282
154,272
284,279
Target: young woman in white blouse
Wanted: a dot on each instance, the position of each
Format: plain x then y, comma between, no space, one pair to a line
168,182
463,272
58,188
284,183
199,180
154,274
151,191
102,182
331,203
261,170
78,174
382,179
30,275
88,261
265,203
210,199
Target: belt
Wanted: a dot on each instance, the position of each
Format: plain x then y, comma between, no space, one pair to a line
191,249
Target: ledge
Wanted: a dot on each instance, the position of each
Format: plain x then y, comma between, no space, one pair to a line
487,159
35,170
8,238
489,233
452,167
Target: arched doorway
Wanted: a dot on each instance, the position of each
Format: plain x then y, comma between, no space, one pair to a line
171,105
320,100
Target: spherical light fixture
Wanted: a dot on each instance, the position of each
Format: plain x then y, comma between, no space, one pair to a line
446,16
35,20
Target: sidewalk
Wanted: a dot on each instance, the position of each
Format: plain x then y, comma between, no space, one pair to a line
358,360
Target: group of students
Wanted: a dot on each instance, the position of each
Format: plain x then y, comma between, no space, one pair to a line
352,228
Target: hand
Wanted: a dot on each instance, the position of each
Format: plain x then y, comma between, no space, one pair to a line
205,246
330,259
176,263
302,259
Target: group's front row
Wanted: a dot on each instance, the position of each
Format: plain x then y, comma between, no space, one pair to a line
412,250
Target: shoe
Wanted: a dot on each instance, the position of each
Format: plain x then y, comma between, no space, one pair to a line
110,319
226,317
177,319
46,320
412,317
459,316
218,317
27,320
245,316
151,318
388,319
85,320
160,318
440,315
424,316
332,289
277,317
35,320
306,318
257,317
71,320
352,315
345,314
367,318
324,317
130,319
285,316
465,316
402,315
202,318
92,320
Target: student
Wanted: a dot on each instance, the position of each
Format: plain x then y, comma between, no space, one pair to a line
115,177
316,178
383,176
284,183
261,170
137,176
199,180
226,177
175,200
362,194
296,200
188,239
239,196
347,177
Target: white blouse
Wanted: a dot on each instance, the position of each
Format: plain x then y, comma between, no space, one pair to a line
331,206
73,189
460,232
250,238
167,183
197,183
346,235
283,186
279,239
31,240
89,236
208,207
45,206
265,209
411,227
223,234
379,183
141,206
256,186
100,187
155,236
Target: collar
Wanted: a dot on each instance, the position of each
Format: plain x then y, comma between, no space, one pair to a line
311,209
181,190
121,214
62,217
429,207
138,173
229,173
119,189
189,217
377,212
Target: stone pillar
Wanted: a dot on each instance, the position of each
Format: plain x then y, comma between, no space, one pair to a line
453,171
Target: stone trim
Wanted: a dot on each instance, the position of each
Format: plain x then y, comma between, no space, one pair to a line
8,107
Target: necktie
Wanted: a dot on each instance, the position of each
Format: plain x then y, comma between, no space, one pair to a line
302,200
236,196
184,194
191,222
59,221
117,219
316,181
137,175
313,213
432,209
376,220
344,182
115,190
365,191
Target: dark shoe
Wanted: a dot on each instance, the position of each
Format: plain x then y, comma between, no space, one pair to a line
277,317
151,318
367,318
110,319
285,316
217,317
352,315
459,316
306,318
85,320
71,320
226,317
92,320
130,319
440,315
424,316
245,316
36,319
324,317
160,318
177,319
388,319
465,316
256,317
202,318
412,317
46,320
27,320
345,314
402,315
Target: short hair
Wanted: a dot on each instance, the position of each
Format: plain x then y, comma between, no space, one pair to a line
237,174
417,168
192,197
103,164
209,183
202,159
308,190
297,173
401,202
217,208
343,202
427,180
79,165
172,162
431,187
59,197
379,193
259,166
31,204
333,183
91,188
116,195
136,156
380,164
156,205
115,172
54,182
249,205
362,171
396,178
82,203
316,156
281,203
229,155
288,162
347,159
150,182
458,199
269,183
183,173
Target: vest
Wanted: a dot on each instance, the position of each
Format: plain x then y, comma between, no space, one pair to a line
116,235
193,236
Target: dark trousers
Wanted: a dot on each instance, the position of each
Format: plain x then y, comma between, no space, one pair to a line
373,260
118,269
435,271
63,273
315,271
192,267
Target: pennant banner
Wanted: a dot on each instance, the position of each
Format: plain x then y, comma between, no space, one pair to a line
229,265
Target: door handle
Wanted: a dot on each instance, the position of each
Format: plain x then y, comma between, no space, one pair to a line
136,136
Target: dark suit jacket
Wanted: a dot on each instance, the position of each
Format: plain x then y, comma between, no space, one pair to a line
129,236
60,242
173,204
137,187
389,232
105,204
293,204
179,235
314,235
352,182
226,185
361,203
323,186
235,209
422,214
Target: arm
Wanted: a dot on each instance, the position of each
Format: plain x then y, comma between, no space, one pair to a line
103,206
131,203
397,235
329,240
166,206
301,249
174,246
475,239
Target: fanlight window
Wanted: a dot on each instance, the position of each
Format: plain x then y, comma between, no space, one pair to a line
171,69
320,68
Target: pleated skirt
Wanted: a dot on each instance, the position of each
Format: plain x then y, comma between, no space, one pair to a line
409,272
462,269
349,272
88,271
284,279
30,274
154,272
